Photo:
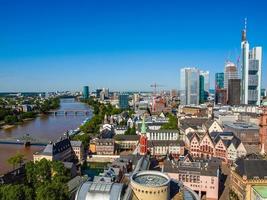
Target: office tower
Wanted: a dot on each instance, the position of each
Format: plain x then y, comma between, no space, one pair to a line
263,92
124,101
189,86
251,64
254,76
106,92
230,72
219,80
85,92
206,75
201,89
234,91
221,96
98,91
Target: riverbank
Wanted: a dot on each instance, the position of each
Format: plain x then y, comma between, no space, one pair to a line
45,127
16,115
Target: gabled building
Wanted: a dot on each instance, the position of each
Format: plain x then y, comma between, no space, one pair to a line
200,176
212,126
223,145
247,176
60,150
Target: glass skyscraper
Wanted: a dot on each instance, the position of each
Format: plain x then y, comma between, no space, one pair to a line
85,92
219,80
251,64
124,101
189,86
201,89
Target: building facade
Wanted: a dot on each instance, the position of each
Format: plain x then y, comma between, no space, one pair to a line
251,63
105,146
201,89
247,176
85,92
219,80
124,101
206,76
230,72
234,91
201,177
189,86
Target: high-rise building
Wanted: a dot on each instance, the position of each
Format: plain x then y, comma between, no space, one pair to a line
201,89
230,72
251,64
85,92
206,75
98,91
189,86
234,91
219,80
263,92
124,101
221,96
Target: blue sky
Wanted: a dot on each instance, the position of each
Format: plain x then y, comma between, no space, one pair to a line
121,44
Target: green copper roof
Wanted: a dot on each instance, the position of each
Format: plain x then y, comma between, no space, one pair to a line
143,128
261,190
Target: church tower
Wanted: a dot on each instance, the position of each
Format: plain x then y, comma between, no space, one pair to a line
143,139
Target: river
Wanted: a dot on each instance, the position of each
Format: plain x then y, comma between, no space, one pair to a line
45,127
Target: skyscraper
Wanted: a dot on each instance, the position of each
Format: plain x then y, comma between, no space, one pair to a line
206,75
85,92
251,64
220,91
201,89
189,86
124,101
230,72
219,80
234,91
221,96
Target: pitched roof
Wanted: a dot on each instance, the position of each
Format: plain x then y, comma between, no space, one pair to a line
57,147
191,135
251,168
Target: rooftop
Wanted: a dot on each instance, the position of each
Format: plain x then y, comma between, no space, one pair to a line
252,169
261,190
151,178
241,125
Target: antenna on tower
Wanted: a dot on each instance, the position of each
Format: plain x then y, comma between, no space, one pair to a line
245,24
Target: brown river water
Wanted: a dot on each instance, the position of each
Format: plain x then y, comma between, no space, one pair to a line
45,128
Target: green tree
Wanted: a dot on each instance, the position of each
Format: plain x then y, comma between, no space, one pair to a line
16,160
52,191
16,192
130,131
11,119
172,123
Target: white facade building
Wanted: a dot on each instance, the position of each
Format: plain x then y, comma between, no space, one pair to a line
189,86
251,64
206,75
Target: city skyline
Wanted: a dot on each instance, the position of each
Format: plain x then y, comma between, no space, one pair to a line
56,46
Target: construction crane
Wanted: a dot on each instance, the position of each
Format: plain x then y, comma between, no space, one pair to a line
155,86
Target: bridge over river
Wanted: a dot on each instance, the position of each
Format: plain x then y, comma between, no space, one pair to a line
70,112
25,140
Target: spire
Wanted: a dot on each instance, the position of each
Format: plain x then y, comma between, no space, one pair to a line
143,128
244,32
